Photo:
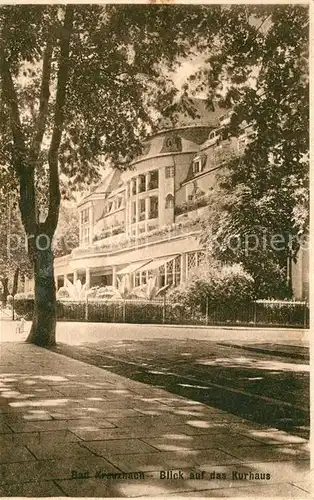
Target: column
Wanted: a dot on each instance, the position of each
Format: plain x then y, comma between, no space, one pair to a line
137,204
126,211
65,277
91,226
114,276
87,274
74,276
146,212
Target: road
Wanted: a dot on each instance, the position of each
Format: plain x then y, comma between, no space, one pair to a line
202,364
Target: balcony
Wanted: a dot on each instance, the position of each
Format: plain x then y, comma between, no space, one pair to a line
122,242
108,233
191,205
153,214
153,184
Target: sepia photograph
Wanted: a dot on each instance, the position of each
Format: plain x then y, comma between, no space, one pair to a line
154,250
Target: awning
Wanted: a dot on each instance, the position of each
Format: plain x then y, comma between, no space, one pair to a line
131,268
154,264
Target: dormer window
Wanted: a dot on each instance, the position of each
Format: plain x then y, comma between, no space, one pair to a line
197,165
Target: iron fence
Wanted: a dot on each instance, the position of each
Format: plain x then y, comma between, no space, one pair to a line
258,313
161,311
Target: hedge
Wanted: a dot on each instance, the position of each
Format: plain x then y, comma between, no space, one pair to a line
265,313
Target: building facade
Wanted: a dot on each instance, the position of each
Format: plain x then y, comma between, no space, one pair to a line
145,221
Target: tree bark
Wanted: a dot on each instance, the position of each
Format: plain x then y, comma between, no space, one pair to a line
15,281
43,330
6,292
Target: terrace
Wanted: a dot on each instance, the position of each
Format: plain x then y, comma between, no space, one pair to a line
122,242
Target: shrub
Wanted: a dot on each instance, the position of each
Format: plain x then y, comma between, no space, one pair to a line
218,285
24,307
63,293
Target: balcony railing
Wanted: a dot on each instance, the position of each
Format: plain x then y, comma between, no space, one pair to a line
194,204
153,184
121,242
153,214
109,232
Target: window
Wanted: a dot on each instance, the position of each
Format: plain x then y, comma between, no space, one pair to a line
177,271
153,213
134,211
197,166
169,273
85,216
153,181
192,260
142,183
142,209
169,201
85,235
169,172
133,187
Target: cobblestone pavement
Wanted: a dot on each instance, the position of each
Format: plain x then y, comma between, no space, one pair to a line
72,429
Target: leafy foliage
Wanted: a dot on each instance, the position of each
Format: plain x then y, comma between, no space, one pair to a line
215,285
260,69
14,261
67,233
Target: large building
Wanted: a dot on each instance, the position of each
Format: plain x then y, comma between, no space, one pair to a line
145,221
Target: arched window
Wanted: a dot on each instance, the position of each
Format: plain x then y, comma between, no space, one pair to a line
169,201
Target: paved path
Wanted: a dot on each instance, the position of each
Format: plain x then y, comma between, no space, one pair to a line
268,389
71,429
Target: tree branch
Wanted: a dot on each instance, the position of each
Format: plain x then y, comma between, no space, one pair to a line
62,79
43,100
20,162
10,98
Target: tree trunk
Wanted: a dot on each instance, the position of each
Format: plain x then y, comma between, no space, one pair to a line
5,293
43,330
15,281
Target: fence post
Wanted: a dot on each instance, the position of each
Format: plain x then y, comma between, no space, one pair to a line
123,311
207,307
86,308
164,310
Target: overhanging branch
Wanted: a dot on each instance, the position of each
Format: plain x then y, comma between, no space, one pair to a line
62,79
10,98
40,124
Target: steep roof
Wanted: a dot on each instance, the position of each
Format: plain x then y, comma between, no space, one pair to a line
106,186
191,112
